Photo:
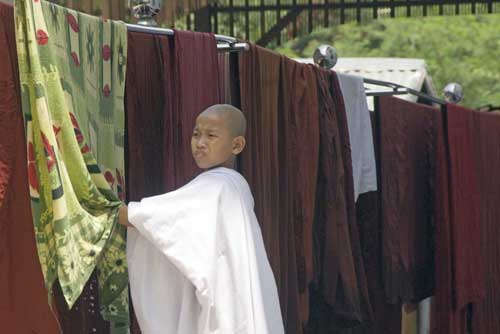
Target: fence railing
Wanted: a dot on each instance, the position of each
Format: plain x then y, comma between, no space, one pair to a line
271,22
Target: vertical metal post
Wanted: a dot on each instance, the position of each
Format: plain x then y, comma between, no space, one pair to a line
202,19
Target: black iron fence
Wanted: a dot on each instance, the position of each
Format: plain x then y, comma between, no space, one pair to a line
270,22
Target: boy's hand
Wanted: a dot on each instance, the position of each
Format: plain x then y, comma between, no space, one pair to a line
123,216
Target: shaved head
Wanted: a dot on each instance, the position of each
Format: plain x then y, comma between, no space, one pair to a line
233,118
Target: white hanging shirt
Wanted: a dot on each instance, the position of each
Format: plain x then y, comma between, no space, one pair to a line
364,168
197,262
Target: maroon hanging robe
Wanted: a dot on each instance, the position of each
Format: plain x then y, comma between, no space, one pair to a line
487,138
24,307
196,87
459,272
299,135
408,137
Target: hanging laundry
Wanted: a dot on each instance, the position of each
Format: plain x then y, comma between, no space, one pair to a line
196,87
74,206
340,296
162,104
387,318
150,126
443,317
279,99
103,126
459,272
408,136
360,134
465,207
23,297
259,71
149,100
298,129
487,137
361,284
165,90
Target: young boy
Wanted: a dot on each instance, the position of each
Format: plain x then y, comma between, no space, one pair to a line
196,257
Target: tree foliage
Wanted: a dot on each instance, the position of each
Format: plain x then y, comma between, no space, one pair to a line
463,49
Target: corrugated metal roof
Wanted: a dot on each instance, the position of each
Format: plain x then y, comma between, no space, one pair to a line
408,72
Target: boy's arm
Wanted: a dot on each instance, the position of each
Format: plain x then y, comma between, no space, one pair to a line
123,216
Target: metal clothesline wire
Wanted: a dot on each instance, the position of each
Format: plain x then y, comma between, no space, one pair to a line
398,90
224,43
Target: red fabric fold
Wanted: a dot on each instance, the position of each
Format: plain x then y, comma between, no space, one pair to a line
408,138
148,95
196,87
259,83
487,138
299,136
459,272
340,294
279,99
464,203
24,307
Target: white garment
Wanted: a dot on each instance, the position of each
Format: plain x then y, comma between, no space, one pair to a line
197,262
364,168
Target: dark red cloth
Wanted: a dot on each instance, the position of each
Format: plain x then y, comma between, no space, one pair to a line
459,272
465,204
280,105
442,315
196,87
168,84
487,138
298,130
24,307
340,295
259,83
85,315
149,111
361,283
407,168
386,317
149,125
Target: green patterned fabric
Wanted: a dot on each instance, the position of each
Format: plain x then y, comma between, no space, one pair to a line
72,71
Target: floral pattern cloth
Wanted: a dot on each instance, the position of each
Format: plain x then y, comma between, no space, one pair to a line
72,73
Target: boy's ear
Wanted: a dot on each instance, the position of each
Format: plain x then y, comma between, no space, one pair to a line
238,144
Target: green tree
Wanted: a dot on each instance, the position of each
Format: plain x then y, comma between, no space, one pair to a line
464,49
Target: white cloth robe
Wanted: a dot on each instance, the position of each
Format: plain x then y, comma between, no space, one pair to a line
364,167
197,262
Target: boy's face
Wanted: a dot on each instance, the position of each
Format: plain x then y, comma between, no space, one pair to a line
212,144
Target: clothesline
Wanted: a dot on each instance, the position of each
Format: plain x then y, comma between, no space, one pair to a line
224,43
398,89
